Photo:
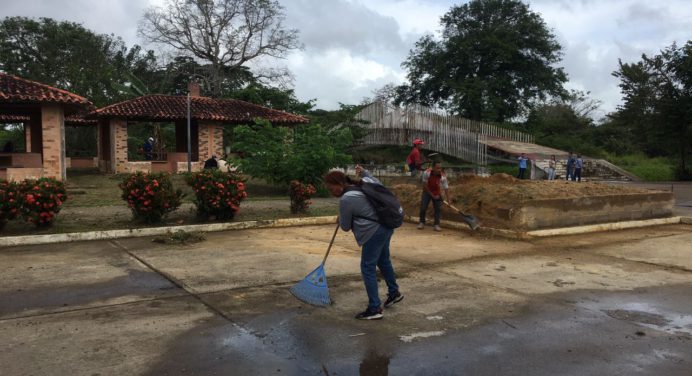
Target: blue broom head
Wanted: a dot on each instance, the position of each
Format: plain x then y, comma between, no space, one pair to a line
313,288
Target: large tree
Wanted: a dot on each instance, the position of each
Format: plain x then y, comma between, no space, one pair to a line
226,34
657,106
66,55
493,60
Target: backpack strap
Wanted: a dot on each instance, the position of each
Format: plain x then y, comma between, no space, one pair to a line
359,189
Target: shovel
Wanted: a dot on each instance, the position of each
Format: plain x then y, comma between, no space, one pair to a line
469,219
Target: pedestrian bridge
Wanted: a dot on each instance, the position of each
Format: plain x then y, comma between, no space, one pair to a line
477,142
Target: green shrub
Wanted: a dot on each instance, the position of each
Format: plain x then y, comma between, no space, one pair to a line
504,169
279,155
10,202
649,169
217,193
41,200
150,196
300,196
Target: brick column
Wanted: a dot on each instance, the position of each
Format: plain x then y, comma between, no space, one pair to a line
27,136
118,152
210,140
53,135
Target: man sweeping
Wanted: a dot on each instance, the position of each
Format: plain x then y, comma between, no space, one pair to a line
356,213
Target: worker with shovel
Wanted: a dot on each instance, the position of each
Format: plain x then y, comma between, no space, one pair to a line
434,182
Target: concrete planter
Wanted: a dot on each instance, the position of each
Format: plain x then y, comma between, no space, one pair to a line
553,213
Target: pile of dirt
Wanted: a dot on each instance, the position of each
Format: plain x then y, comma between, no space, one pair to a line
482,196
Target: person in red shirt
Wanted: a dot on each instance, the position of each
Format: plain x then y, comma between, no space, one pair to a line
414,159
434,182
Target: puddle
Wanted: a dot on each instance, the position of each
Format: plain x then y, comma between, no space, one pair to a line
646,315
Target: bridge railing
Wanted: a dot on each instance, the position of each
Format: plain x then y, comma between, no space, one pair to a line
453,135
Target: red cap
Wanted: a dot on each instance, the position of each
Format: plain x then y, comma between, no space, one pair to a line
418,141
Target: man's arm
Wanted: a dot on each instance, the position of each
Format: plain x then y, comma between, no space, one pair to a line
345,214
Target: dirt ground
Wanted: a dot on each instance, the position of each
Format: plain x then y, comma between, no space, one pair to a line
482,196
614,303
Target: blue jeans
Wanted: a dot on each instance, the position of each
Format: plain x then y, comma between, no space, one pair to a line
551,174
521,173
376,255
424,202
577,175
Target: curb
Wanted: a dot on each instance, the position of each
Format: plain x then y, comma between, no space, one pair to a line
153,231
563,230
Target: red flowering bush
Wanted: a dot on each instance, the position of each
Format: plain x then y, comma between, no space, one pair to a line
217,193
41,200
150,196
300,196
10,201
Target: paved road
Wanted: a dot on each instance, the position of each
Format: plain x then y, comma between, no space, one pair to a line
601,304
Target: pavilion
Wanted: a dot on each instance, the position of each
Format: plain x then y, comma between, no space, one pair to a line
208,117
43,110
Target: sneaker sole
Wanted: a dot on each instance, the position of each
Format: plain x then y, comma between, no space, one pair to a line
378,316
394,302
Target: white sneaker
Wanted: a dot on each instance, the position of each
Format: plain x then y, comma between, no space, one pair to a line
437,228
421,226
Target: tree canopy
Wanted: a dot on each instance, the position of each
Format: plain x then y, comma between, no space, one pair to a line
226,34
494,58
68,56
657,108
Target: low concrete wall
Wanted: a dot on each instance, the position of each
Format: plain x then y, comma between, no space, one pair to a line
81,162
552,213
19,174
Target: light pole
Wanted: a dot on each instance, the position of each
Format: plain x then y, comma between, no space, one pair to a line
189,141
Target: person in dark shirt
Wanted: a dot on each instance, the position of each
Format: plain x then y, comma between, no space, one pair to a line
211,163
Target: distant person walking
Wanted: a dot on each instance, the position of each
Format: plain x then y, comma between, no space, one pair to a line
522,165
433,182
414,159
578,164
570,167
552,164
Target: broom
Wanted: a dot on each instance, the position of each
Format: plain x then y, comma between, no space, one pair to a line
313,288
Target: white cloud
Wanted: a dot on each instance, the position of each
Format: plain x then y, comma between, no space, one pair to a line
355,46
336,75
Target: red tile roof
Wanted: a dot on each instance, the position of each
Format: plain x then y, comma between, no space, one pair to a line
14,89
169,108
76,119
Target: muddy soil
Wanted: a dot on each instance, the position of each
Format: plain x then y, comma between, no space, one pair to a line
482,196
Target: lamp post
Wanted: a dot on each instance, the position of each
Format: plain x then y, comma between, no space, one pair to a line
189,141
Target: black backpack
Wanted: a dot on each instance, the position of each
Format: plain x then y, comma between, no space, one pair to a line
390,214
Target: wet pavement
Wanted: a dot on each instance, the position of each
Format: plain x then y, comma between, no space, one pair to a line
614,303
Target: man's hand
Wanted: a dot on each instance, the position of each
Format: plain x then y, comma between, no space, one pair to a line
359,170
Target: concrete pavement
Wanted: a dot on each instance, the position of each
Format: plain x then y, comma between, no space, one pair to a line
604,303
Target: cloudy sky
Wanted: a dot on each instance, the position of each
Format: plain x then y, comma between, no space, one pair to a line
352,47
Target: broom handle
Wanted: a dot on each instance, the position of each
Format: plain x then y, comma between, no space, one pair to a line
331,242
